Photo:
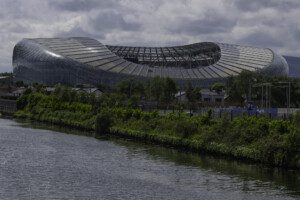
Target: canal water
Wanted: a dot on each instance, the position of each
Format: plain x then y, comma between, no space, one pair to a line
42,162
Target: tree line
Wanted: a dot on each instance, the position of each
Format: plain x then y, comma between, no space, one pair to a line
161,92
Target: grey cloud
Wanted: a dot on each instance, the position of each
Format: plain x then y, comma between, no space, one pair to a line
81,5
78,31
261,39
211,24
22,10
297,35
108,21
15,28
254,5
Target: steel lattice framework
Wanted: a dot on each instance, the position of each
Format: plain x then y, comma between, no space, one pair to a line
188,56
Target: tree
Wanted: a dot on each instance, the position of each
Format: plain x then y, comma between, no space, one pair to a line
239,87
279,91
103,88
169,90
38,87
133,101
64,94
57,89
156,89
103,122
193,95
19,84
218,87
131,87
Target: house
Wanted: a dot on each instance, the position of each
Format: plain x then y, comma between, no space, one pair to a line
212,96
89,90
207,96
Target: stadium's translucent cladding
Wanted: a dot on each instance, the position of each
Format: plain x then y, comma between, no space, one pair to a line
75,61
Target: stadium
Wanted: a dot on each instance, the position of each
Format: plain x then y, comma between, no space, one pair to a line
79,60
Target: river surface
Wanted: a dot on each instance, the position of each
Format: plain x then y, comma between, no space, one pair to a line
42,162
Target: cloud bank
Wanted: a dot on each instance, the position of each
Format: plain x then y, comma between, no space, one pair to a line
266,23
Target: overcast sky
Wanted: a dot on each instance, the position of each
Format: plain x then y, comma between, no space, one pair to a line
267,23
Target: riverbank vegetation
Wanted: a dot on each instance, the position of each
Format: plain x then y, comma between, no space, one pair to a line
261,139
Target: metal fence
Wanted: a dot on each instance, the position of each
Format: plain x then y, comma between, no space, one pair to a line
238,111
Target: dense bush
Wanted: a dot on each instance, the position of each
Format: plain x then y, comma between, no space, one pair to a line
186,128
103,122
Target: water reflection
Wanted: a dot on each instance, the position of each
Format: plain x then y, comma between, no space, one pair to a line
252,176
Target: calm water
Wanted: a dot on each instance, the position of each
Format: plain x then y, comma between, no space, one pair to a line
49,164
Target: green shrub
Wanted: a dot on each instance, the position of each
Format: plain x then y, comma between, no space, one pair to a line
103,122
22,102
186,127
296,118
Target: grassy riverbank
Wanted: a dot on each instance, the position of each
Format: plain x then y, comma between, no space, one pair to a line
259,139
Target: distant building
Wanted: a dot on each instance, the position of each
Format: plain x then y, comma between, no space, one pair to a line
78,60
88,90
91,90
18,91
212,96
5,81
207,96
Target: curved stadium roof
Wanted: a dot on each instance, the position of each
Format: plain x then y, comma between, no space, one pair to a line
84,60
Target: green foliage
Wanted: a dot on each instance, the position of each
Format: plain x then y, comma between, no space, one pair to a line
169,90
103,122
260,139
131,87
162,90
186,127
240,87
296,119
192,94
38,87
218,87
157,88
103,88
19,84
23,100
